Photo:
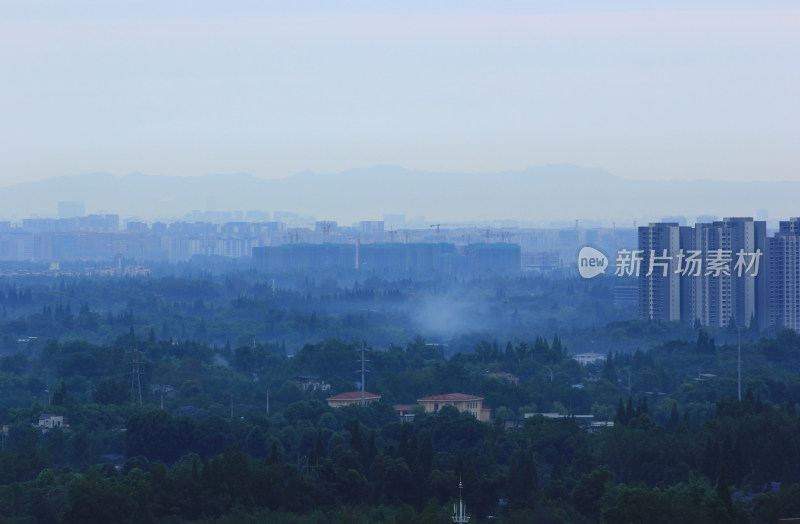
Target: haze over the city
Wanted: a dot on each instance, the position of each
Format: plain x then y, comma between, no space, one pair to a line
542,196
691,90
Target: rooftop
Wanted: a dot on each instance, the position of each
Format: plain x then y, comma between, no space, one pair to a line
450,396
353,395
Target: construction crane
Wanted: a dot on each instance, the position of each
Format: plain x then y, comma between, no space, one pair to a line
294,234
438,226
326,229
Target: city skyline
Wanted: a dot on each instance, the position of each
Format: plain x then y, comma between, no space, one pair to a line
543,196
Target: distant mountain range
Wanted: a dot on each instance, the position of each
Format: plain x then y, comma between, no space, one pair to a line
536,194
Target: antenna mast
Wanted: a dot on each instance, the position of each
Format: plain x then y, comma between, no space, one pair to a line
460,511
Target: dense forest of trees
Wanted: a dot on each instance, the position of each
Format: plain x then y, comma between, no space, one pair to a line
295,308
223,432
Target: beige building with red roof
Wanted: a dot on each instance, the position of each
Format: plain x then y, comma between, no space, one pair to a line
461,401
351,397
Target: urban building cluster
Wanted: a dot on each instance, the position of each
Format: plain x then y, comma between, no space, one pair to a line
289,241
720,273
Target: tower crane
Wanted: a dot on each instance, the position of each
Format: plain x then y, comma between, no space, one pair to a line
438,226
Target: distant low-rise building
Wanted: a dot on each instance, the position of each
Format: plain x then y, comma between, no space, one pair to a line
541,261
598,425
586,422
461,401
48,421
136,271
588,358
705,376
405,411
311,383
352,397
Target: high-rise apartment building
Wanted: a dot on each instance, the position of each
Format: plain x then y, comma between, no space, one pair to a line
713,273
659,283
784,275
739,291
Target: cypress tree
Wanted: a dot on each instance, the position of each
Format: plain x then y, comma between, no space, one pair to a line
356,441
722,489
673,417
319,447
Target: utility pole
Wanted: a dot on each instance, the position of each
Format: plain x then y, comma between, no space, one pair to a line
136,377
363,400
629,382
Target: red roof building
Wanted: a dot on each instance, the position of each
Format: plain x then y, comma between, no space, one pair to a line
351,397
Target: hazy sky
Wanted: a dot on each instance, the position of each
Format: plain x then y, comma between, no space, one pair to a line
702,90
